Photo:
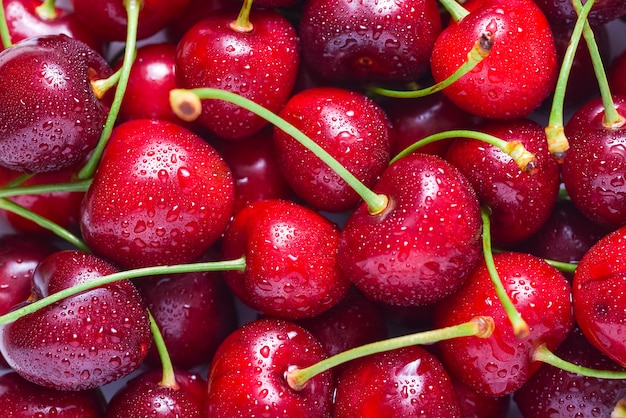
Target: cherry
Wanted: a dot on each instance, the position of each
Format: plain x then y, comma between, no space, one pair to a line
372,41
408,382
553,392
351,127
21,398
194,12
247,375
404,255
616,74
598,295
50,117
251,61
291,259
520,202
500,364
561,12
161,195
477,405
144,396
521,69
84,341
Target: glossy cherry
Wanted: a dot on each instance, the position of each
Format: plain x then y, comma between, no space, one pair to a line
561,12
405,255
501,364
616,73
247,375
347,124
478,405
84,341
161,195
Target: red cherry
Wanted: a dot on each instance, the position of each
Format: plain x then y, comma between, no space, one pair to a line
500,364
83,341
291,260
347,124
478,405
521,69
562,13
616,74
247,375
405,255
161,195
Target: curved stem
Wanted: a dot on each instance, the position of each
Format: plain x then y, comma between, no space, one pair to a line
479,51
4,28
236,264
524,159
56,229
520,327
481,326
543,354
555,131
100,87
132,11
75,186
562,266
456,11
46,10
186,104
242,24
169,377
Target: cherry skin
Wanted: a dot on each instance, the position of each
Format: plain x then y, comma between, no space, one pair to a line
372,41
405,254
144,396
562,13
84,341
161,195
247,375
347,124
593,167
291,260
50,117
521,69
477,405
501,364
520,202
252,64
408,382
616,74
599,297
23,399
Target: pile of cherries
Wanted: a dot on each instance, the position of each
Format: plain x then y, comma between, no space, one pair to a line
314,208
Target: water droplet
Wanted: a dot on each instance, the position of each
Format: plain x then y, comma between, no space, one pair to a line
265,351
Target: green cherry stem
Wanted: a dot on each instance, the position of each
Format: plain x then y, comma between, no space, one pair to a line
242,24
562,266
132,11
187,105
236,264
612,119
17,190
46,10
543,354
520,327
456,11
555,131
4,28
169,377
479,51
56,229
524,159
480,326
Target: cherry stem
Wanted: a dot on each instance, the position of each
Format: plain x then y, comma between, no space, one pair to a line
562,266
479,51
520,327
480,326
132,12
169,377
4,28
456,11
620,409
17,190
100,87
46,10
525,160
236,264
612,119
555,131
542,353
242,24
187,105
43,222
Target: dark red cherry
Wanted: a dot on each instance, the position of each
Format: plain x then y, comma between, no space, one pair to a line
407,382
616,73
22,399
347,124
599,294
260,65
247,375
161,195
84,341
194,12
500,364
520,202
424,245
478,405
561,12
521,69
50,117
369,41
592,171
291,259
